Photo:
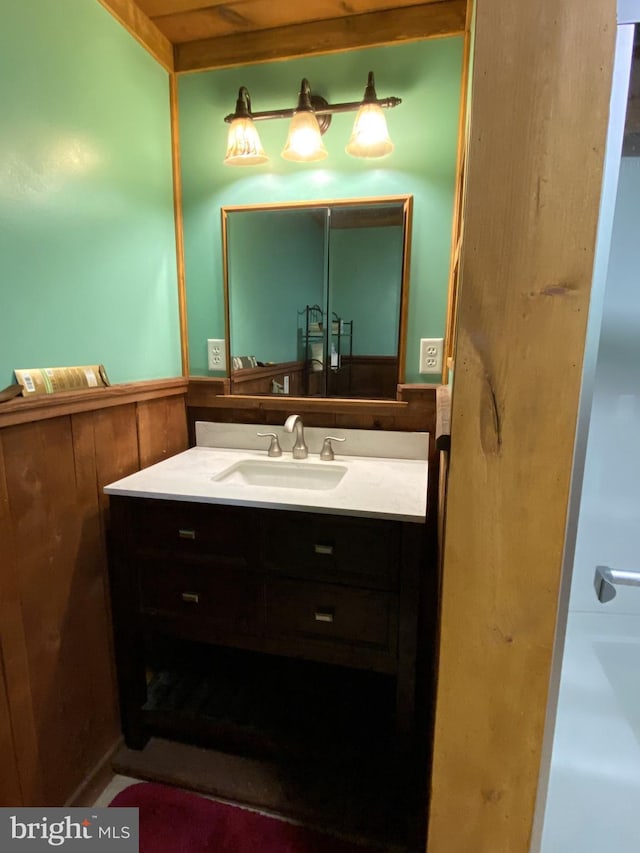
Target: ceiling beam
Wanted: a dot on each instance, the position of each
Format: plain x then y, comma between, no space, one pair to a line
142,29
409,23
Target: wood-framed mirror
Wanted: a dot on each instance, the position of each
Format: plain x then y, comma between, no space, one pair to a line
316,297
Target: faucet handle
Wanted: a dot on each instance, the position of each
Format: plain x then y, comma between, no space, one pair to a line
274,445
327,450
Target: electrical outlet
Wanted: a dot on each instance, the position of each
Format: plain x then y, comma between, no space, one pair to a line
216,354
431,355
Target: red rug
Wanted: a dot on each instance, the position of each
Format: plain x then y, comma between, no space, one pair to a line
175,821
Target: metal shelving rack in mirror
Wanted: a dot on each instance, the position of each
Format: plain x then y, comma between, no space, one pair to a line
326,351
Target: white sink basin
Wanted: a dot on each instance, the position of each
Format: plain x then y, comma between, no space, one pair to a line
278,474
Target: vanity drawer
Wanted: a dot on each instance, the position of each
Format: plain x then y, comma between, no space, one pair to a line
331,548
326,611
222,599
185,528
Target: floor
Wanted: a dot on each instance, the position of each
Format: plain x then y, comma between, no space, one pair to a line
117,784
120,782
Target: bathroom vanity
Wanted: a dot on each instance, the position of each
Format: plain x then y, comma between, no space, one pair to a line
318,561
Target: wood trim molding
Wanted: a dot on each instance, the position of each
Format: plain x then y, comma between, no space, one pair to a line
458,223
413,410
96,780
407,215
205,392
179,222
534,175
41,407
351,32
142,28
201,396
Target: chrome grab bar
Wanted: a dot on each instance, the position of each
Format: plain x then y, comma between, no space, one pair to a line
606,580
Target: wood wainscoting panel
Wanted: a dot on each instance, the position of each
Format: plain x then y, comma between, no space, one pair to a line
14,655
10,791
258,380
539,111
50,473
56,659
162,429
10,782
116,447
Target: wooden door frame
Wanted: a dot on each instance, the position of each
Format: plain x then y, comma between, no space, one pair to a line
539,112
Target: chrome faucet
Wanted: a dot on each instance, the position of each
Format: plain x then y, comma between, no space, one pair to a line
300,450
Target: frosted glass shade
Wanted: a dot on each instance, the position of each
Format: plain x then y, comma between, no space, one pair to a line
304,143
243,144
370,137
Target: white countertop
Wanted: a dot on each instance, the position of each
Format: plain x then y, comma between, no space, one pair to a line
374,487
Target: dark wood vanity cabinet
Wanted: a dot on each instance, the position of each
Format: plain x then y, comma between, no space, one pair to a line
334,589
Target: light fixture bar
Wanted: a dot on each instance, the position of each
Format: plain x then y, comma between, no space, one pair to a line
309,120
330,109
317,103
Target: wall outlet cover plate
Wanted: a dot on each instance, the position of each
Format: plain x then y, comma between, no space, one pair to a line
216,354
431,355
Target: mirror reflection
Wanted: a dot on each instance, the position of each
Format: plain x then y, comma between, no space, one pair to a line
316,297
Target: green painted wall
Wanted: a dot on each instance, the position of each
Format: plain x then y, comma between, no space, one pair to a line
87,244
365,273
426,75
262,278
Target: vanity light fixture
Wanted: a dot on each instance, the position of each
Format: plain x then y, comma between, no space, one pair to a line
309,120
304,142
243,141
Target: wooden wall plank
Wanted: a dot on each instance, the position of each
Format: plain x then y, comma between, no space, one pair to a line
541,83
162,429
10,787
14,652
41,483
391,26
10,792
116,447
128,13
53,500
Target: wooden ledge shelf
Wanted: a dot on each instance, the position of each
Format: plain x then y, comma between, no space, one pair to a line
43,406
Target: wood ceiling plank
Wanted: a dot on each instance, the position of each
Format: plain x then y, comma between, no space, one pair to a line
220,19
127,13
158,8
338,34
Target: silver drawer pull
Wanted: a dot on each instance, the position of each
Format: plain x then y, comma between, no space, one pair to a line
606,579
186,533
323,549
323,615
191,597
